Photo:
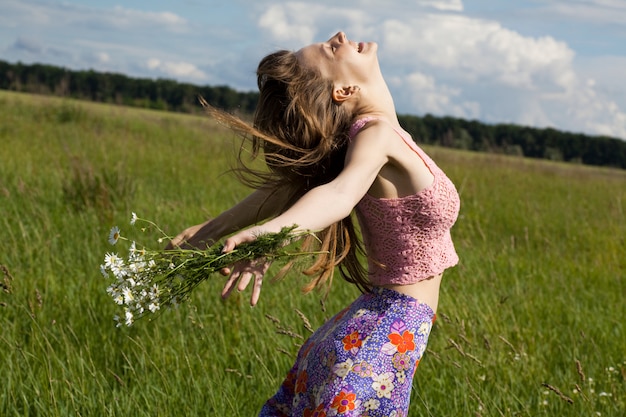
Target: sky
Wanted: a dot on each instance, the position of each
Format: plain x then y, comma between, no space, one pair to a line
540,63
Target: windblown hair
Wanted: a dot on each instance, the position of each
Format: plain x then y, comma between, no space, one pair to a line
303,135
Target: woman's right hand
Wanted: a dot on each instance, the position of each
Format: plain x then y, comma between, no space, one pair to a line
200,236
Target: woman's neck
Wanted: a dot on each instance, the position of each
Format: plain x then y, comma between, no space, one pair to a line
378,104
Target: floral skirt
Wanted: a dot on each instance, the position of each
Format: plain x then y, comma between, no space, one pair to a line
359,363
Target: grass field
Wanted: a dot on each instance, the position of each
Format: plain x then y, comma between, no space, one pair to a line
531,322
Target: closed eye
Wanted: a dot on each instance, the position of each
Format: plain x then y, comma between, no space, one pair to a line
327,50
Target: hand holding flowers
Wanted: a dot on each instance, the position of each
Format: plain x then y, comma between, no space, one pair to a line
148,280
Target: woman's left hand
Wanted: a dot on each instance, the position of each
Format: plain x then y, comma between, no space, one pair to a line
241,275
243,272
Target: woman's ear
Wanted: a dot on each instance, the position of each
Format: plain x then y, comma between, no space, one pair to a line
341,94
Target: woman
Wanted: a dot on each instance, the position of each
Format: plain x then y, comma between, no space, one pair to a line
327,125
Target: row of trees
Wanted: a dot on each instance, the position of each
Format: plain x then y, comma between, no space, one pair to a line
517,140
160,94
451,132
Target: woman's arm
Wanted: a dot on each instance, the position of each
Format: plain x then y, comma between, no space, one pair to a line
318,208
331,202
259,205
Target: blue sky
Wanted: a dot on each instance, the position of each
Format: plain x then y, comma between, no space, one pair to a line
557,63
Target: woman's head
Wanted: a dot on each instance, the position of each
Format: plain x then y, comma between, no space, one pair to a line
308,99
305,131
345,63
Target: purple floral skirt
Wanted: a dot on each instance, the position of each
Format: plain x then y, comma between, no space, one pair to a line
359,363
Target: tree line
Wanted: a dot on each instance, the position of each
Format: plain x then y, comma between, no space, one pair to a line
166,94
105,87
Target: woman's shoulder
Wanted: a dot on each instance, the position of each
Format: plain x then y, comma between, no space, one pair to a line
372,126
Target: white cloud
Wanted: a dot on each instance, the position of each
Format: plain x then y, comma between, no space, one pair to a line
153,63
176,69
425,95
291,22
103,57
120,16
589,111
478,49
447,5
295,24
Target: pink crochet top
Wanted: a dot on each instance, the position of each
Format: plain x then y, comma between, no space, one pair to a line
407,239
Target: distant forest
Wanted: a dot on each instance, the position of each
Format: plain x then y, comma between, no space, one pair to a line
165,94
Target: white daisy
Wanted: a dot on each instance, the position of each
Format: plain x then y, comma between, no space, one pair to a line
116,294
103,271
119,269
139,308
154,292
153,307
129,317
137,267
111,259
114,235
128,295
133,218
115,264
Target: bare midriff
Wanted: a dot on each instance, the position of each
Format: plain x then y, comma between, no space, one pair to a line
425,291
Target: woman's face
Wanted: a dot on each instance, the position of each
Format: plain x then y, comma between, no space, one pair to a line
341,60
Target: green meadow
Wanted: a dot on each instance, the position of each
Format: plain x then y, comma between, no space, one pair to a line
532,322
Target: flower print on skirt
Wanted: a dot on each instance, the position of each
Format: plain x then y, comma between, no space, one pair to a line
359,363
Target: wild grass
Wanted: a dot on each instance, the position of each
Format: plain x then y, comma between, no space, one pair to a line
531,322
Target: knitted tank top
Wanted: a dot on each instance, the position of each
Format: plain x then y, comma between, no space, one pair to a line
407,239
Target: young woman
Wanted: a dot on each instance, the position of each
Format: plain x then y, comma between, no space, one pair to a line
327,126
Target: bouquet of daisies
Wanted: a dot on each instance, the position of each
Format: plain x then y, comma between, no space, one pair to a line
147,280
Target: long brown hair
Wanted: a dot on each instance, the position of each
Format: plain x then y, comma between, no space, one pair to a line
303,135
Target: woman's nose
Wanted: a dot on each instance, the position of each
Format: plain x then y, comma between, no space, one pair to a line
339,37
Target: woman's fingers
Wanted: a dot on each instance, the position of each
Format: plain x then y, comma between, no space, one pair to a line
200,236
230,284
175,242
256,290
242,274
244,280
